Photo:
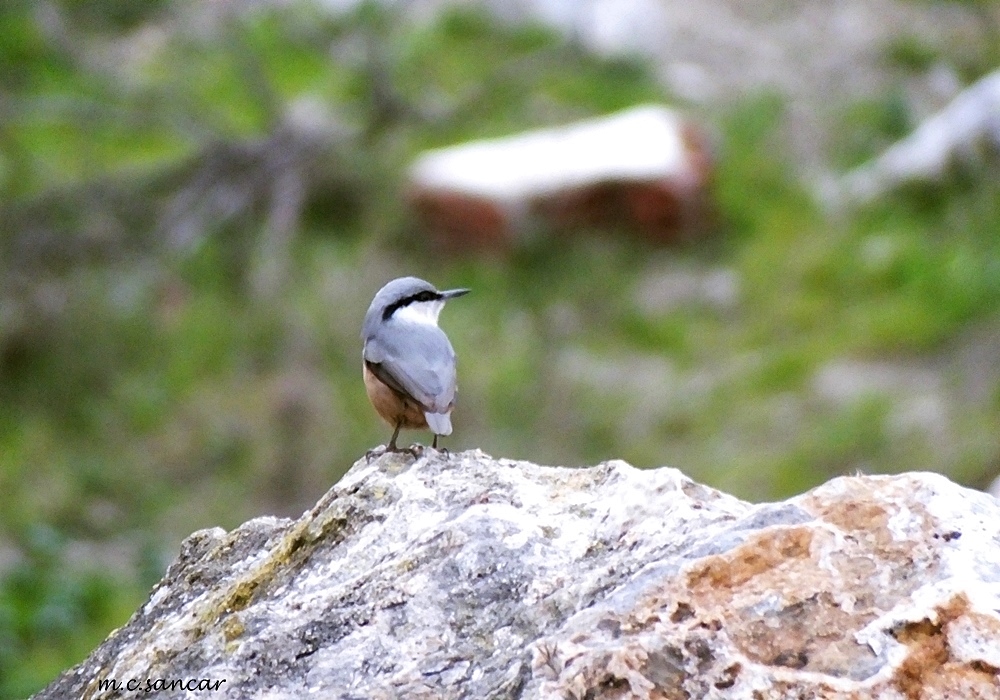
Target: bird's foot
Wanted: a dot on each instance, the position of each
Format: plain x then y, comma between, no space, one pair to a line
443,450
416,449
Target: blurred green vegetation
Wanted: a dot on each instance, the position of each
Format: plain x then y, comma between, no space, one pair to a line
198,207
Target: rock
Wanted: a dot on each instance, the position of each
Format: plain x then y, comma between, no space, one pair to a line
646,168
994,488
462,576
963,130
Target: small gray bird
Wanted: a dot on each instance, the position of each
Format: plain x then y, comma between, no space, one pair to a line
409,364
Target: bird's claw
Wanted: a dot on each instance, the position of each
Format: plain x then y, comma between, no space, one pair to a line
416,449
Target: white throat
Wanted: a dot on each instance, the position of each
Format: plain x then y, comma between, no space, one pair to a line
421,312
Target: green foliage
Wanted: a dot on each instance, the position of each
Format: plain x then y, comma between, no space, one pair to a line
972,59
111,16
51,616
911,53
868,127
151,382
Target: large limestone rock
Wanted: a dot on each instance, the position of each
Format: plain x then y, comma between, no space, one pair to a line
463,576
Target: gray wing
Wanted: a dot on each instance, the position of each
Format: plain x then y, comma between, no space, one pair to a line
419,362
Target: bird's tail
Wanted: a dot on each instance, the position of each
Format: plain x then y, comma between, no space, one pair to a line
440,423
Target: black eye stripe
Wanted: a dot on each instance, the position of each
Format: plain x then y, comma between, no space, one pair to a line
425,295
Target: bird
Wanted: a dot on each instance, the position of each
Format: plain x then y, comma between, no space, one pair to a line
408,361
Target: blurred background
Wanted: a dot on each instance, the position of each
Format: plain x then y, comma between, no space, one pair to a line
198,201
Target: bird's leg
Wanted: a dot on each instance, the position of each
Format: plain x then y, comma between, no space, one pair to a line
442,450
391,447
392,442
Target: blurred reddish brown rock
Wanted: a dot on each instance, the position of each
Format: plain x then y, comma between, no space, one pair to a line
646,169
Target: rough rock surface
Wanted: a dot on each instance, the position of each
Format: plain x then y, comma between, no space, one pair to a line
462,576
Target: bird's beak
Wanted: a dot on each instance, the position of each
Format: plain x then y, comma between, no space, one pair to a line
452,293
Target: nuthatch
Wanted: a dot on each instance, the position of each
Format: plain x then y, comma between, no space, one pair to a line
409,364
